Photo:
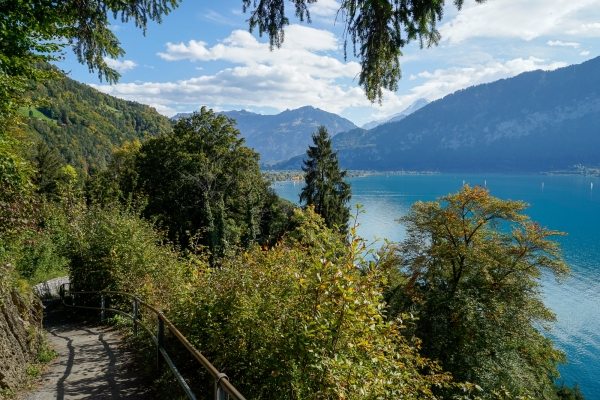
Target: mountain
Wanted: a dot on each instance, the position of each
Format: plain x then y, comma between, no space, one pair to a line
284,135
86,125
535,121
420,103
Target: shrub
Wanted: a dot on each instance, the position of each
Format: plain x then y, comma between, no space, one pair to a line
112,248
302,321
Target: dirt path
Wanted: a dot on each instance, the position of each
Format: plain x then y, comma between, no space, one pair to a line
91,364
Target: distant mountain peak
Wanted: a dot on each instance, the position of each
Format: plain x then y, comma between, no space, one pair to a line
414,106
281,136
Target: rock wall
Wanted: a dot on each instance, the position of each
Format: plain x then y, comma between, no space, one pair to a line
20,337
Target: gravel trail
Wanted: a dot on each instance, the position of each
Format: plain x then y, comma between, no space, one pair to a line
92,363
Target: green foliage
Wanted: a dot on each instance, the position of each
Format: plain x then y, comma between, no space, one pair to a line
325,188
378,30
17,197
112,248
301,321
201,179
49,170
472,265
42,255
87,126
117,182
566,393
37,30
46,353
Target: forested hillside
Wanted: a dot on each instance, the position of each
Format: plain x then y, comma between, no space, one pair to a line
86,125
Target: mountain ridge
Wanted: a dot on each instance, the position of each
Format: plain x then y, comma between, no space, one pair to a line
277,137
416,105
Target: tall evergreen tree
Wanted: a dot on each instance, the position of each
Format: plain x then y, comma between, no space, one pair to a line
325,188
49,163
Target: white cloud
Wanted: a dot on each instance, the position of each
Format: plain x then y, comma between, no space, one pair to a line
121,66
297,54
219,18
520,19
279,86
324,10
584,53
293,76
591,29
293,84
563,44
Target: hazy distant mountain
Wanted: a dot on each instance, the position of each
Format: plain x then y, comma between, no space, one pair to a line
401,115
284,135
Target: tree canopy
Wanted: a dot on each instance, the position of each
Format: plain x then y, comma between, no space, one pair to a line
377,31
472,265
201,180
33,32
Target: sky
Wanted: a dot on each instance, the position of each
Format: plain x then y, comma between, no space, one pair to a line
203,55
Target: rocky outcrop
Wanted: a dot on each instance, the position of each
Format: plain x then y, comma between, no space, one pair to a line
50,288
20,337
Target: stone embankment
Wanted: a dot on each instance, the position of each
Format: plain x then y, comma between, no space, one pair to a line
50,288
20,336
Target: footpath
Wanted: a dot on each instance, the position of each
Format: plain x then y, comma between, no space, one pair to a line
91,364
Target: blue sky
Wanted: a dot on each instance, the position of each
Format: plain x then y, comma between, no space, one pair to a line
203,54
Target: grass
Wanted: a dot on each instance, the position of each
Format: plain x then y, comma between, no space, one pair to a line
114,110
34,370
36,114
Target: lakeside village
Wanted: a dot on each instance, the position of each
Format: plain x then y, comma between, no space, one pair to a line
576,169
298,175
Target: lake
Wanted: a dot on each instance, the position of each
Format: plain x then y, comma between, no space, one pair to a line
565,203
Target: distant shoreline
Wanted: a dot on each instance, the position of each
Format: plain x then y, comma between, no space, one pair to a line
298,176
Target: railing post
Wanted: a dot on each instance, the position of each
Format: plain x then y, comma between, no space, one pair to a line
160,337
135,316
102,307
220,393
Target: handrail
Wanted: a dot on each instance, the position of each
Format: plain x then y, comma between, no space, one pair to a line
223,388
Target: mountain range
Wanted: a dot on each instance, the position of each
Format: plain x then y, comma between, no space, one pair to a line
536,121
533,122
281,136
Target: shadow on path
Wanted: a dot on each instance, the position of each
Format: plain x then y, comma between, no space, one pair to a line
91,364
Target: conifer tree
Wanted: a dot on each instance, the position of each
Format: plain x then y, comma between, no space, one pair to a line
325,188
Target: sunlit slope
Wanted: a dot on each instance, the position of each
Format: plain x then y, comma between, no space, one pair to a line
85,125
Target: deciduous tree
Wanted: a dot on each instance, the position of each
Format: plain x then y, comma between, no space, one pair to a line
202,179
472,265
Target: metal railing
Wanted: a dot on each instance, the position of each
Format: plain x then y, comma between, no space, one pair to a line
222,388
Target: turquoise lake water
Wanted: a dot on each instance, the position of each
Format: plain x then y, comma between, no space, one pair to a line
562,203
